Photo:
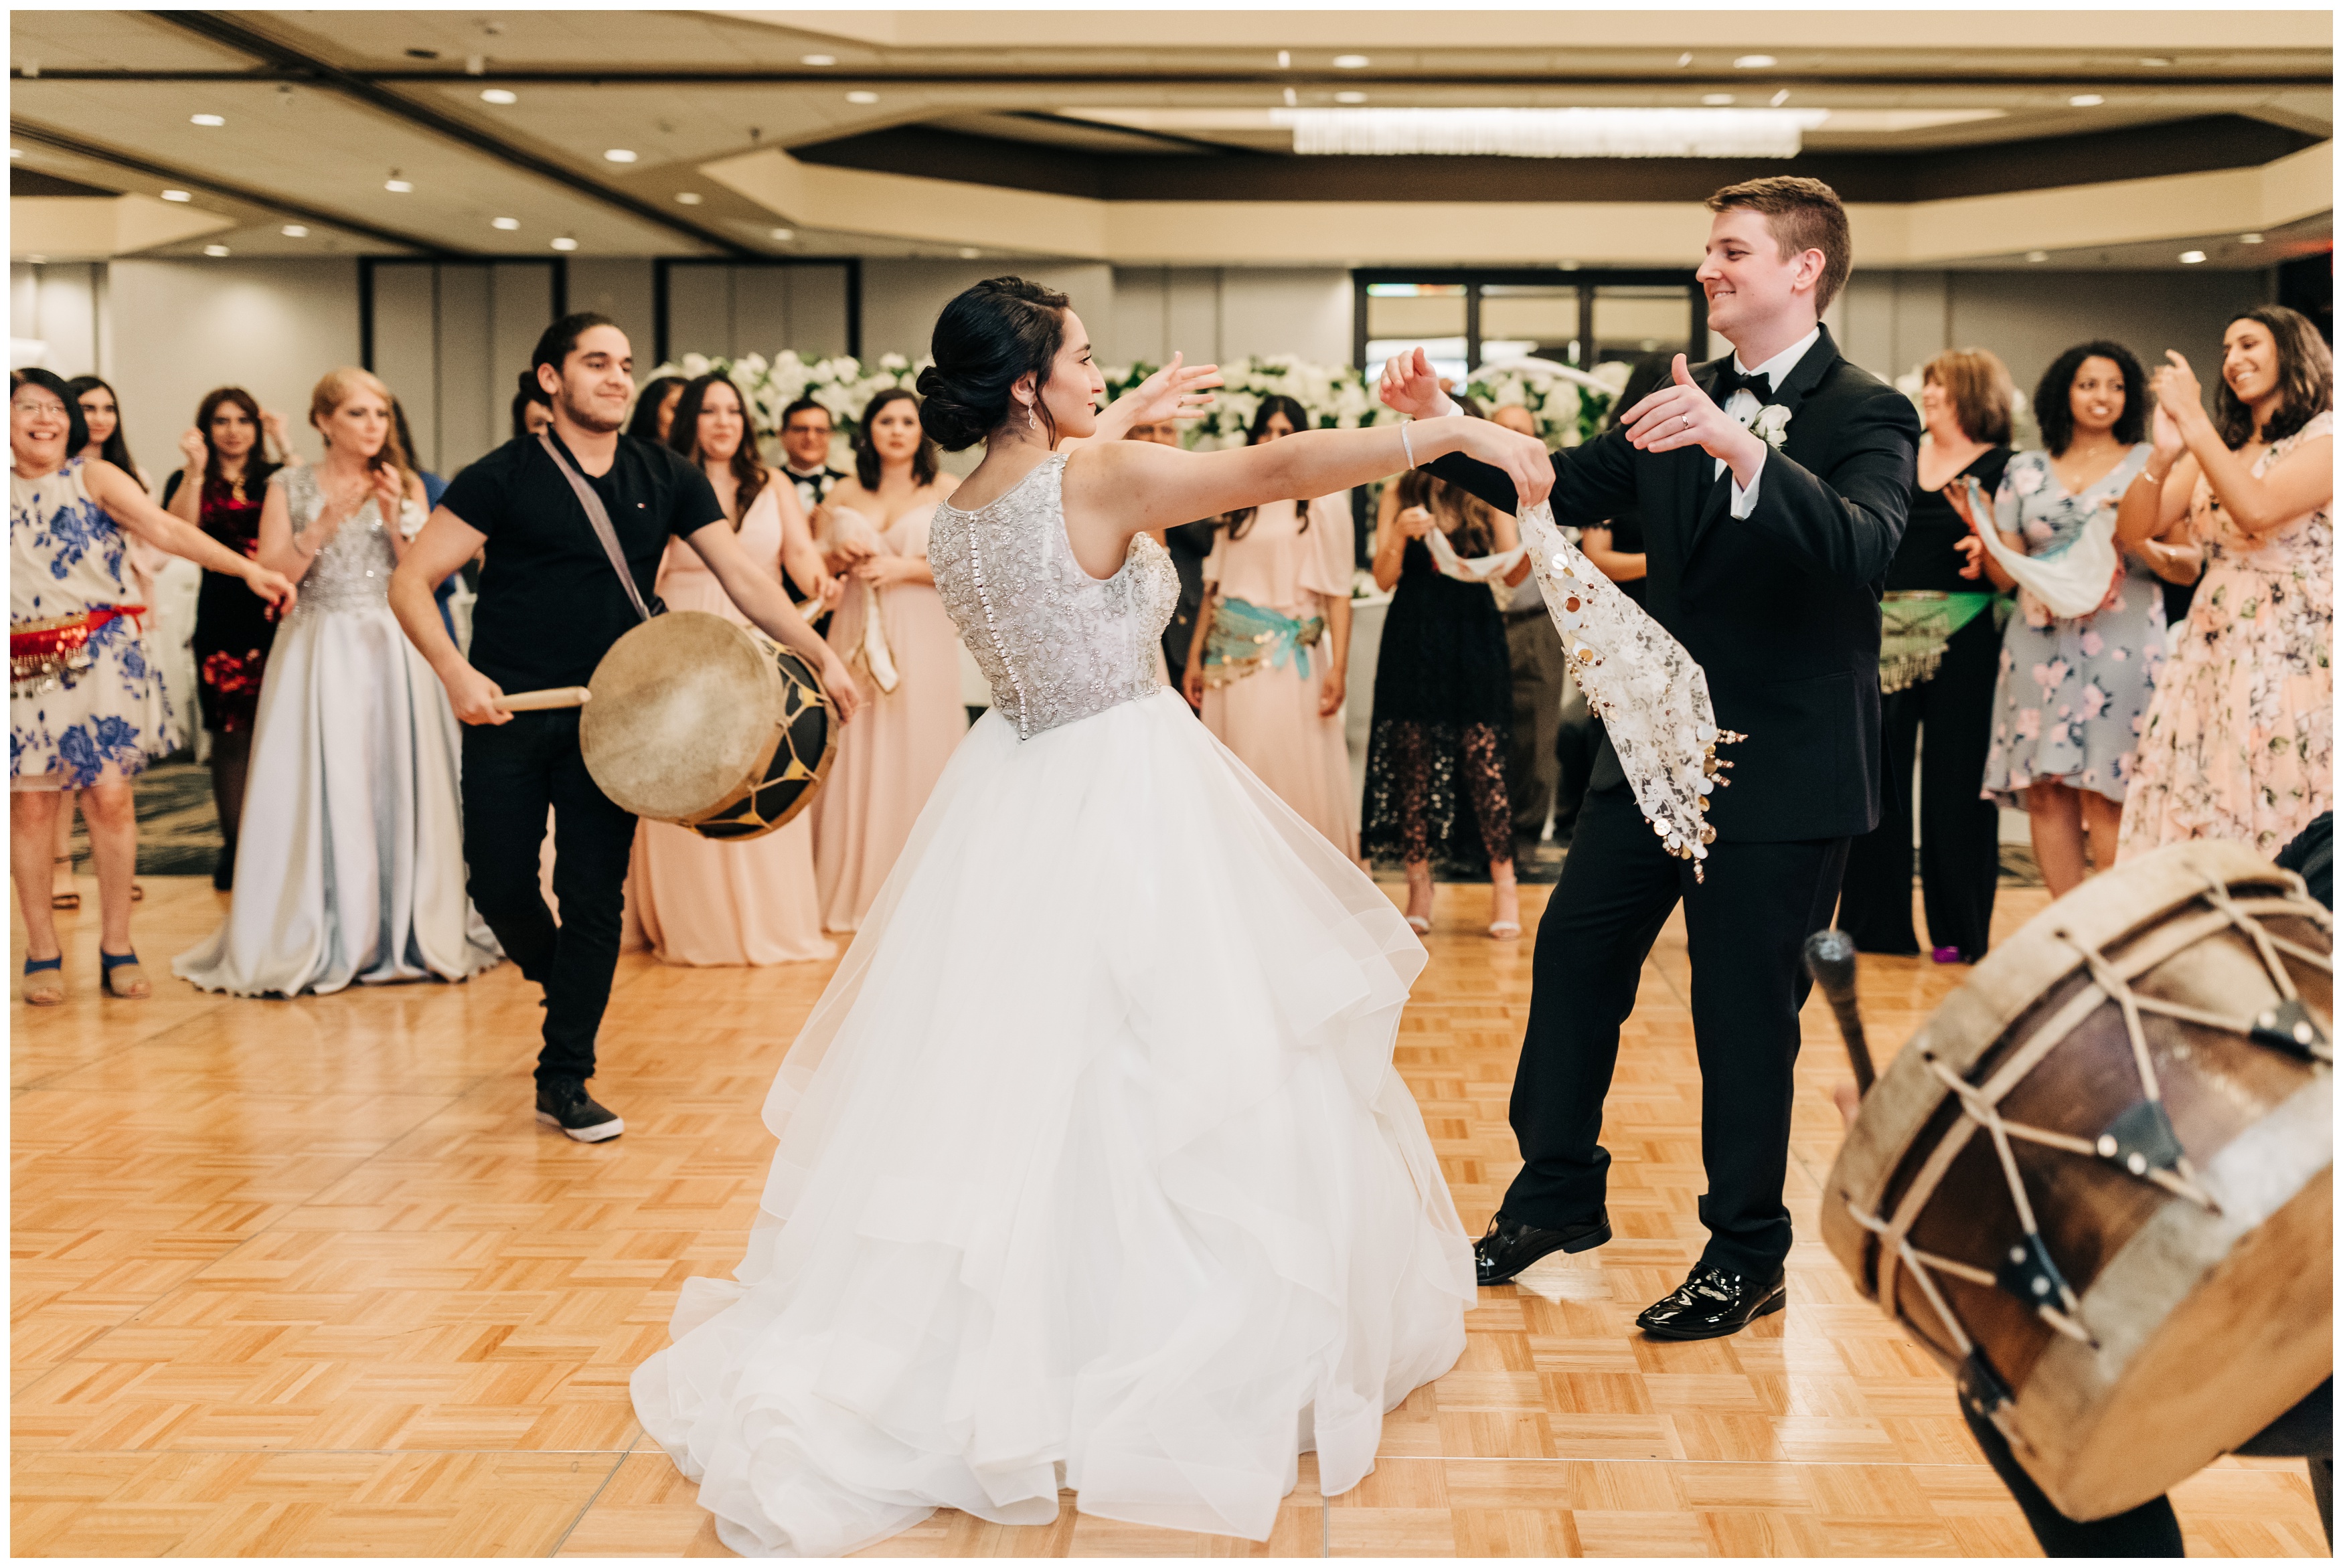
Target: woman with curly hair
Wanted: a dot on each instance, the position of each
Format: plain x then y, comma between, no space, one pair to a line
2072,691
2239,742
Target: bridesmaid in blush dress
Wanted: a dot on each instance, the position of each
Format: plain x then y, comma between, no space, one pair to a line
700,901
889,757
1265,667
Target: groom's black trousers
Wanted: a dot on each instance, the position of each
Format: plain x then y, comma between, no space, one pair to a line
1745,926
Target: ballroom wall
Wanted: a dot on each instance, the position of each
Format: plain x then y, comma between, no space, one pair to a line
165,331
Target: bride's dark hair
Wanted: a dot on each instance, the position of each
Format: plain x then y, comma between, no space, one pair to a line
986,338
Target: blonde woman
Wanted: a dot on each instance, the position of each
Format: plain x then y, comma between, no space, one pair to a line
357,873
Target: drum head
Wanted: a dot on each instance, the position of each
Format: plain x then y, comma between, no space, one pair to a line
686,707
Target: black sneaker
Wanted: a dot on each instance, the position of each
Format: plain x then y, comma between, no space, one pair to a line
564,1103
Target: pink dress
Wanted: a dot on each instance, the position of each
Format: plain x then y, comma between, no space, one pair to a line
889,757
1270,718
2239,740
700,901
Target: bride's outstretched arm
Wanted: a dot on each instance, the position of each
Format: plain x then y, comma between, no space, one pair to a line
1130,486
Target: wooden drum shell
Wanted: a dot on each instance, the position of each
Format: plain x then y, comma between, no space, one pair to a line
700,722
2208,1325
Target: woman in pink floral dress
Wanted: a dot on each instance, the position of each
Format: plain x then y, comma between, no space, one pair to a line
2240,741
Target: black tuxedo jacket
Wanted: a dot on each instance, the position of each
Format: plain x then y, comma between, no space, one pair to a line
1781,607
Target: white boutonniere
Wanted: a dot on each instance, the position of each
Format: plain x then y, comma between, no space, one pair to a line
1772,425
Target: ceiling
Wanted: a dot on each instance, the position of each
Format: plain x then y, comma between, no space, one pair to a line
323,113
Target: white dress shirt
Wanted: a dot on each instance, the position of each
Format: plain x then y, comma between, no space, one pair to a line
1743,405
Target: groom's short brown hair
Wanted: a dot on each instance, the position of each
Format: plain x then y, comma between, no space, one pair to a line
1804,214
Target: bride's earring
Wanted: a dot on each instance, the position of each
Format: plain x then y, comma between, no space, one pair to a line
1031,424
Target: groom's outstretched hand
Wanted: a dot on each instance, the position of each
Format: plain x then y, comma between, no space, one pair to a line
1412,386
1682,414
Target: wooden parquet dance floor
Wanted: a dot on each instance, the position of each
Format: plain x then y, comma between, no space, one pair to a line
307,1277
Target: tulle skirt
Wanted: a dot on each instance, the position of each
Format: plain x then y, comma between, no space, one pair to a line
1093,1172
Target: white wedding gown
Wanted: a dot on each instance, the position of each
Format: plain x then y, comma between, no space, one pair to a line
1093,1170
350,864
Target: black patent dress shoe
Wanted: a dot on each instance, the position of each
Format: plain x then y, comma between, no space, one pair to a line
1507,1249
1713,1302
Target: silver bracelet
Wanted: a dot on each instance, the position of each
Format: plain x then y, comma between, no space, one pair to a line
1406,445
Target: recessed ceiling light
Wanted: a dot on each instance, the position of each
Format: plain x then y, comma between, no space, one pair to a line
2191,257
1716,100
504,223
1567,266
176,195
565,243
15,152
619,156
1753,62
1285,59
1778,99
294,231
400,187
2038,256
38,260
688,198
2085,101
1350,62
498,95
785,233
1683,59
2249,239
214,250
1350,97
970,253
207,119
817,60
2156,60
862,97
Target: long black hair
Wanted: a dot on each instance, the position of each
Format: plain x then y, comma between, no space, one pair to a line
257,464
77,426
2053,402
925,463
2305,378
1297,419
987,338
643,424
116,450
748,476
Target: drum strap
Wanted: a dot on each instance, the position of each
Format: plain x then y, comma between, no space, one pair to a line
597,514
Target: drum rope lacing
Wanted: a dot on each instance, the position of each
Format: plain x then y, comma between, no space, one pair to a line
2141,1142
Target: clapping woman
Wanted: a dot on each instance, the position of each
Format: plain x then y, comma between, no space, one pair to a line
2239,742
84,707
701,901
358,873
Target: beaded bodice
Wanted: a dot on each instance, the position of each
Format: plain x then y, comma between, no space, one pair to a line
1055,643
352,569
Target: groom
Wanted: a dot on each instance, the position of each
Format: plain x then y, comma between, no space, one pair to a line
1768,547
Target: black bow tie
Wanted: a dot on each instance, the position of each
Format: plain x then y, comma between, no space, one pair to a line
1729,381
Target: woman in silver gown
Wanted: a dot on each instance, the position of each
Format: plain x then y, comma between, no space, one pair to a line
353,870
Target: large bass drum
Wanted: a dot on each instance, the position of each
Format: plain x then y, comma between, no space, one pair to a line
2098,1182
706,724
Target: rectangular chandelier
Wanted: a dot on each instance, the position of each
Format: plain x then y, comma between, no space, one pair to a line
1553,133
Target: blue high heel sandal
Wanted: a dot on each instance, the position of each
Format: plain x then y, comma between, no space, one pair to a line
48,994
110,964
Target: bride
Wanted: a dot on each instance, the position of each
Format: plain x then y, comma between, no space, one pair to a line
1093,1170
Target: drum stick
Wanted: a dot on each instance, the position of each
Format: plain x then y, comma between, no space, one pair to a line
551,696
1830,959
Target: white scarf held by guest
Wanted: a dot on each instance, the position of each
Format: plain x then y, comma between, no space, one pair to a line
2072,582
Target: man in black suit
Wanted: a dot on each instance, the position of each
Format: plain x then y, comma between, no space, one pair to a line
1767,538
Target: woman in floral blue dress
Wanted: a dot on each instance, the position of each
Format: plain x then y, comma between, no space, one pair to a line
2073,691
86,708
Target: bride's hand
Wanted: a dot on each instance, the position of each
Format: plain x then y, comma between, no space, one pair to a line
1411,386
1524,458
1178,391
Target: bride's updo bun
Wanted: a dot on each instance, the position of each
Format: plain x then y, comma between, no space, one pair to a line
987,337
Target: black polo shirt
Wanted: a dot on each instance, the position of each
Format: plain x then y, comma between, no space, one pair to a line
549,604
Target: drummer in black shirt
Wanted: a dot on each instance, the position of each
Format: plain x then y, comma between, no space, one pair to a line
549,607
